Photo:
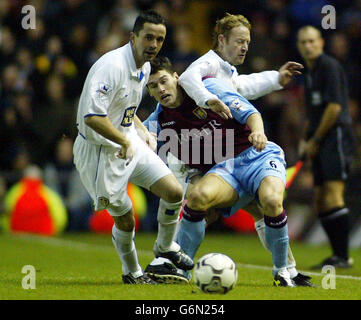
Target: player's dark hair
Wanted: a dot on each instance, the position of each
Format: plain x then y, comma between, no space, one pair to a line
161,63
309,27
149,16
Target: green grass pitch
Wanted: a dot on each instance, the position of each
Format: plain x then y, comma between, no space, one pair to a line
86,266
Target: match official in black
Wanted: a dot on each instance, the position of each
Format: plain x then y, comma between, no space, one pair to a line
329,140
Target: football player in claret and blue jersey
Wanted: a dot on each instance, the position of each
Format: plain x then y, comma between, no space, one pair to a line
252,176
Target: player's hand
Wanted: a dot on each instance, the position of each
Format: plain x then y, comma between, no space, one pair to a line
311,148
287,71
126,152
220,108
258,140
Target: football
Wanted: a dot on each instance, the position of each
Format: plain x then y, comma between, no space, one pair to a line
215,273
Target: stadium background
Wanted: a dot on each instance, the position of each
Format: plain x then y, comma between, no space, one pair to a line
42,73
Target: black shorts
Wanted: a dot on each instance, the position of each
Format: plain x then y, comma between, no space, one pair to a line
334,157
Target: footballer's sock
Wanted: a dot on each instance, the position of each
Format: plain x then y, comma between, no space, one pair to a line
291,265
336,224
260,228
124,244
160,260
191,231
168,214
276,234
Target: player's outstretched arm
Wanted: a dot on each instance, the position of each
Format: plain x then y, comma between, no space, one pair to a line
191,81
103,126
255,85
287,71
257,136
239,107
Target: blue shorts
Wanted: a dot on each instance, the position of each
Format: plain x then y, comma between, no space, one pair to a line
246,171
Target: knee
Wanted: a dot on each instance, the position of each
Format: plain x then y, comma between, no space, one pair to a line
271,193
272,205
199,200
174,193
125,223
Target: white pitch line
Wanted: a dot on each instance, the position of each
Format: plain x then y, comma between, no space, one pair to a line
88,246
71,243
318,274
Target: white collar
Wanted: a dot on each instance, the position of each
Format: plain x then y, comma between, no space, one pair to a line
134,71
225,64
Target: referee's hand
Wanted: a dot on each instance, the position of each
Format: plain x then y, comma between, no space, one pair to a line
287,71
311,148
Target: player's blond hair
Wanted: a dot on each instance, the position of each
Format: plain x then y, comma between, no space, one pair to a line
226,24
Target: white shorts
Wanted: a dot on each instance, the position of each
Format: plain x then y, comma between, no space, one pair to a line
105,176
181,171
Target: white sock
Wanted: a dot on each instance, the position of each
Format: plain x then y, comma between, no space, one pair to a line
168,214
293,272
124,244
260,228
282,271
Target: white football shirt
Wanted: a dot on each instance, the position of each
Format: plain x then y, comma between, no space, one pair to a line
250,86
114,88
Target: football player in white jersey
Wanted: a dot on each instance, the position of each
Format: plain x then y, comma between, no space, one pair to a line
231,38
113,147
231,41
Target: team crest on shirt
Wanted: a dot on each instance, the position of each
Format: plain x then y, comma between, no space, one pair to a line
237,104
104,202
104,89
200,113
128,116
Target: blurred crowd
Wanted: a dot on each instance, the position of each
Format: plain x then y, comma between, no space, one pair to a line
42,71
